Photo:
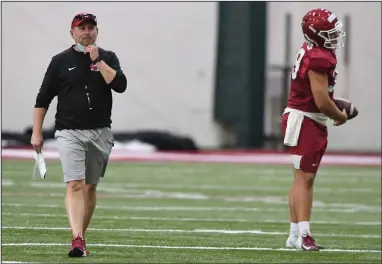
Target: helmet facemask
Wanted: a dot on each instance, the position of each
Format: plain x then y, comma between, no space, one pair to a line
334,38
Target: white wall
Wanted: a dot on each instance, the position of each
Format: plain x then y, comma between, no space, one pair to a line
167,51
363,80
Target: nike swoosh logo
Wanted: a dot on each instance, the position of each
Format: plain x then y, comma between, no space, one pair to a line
72,68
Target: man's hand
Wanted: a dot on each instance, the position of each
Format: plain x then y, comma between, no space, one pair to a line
37,141
93,51
342,120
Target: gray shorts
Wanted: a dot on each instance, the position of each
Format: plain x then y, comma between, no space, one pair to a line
84,154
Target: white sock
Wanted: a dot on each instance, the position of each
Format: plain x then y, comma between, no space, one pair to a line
304,228
293,229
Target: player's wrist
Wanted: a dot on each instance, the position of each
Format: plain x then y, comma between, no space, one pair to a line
342,117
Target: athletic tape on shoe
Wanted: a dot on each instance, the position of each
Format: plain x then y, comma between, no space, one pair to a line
40,165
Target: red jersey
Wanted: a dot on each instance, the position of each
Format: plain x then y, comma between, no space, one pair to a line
313,58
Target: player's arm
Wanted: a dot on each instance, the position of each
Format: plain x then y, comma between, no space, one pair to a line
319,86
47,92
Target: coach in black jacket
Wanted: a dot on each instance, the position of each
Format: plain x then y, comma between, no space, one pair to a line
82,77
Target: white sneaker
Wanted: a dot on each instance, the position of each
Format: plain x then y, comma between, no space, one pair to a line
292,242
298,242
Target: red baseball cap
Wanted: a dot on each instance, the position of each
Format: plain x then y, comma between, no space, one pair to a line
81,17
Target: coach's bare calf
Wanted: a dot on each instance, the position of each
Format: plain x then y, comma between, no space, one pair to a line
80,205
90,204
75,206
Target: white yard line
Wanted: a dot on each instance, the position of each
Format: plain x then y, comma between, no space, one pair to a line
257,200
262,172
187,247
193,219
159,195
7,182
283,175
246,188
354,209
119,191
213,231
122,187
3,261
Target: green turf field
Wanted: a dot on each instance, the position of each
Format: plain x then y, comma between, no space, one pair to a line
192,213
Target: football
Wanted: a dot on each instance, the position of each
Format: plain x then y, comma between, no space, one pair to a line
350,109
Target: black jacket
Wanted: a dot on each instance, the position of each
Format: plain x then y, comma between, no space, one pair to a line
84,100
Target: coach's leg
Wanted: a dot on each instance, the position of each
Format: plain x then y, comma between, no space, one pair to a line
73,155
72,152
75,206
90,204
98,155
95,169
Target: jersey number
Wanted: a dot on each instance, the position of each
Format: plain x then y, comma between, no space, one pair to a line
296,65
299,57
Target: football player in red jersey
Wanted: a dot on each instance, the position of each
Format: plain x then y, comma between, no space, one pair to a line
310,104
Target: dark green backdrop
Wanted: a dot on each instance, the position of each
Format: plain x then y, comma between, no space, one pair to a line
239,90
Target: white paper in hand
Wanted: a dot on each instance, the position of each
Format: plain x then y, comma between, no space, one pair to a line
40,165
